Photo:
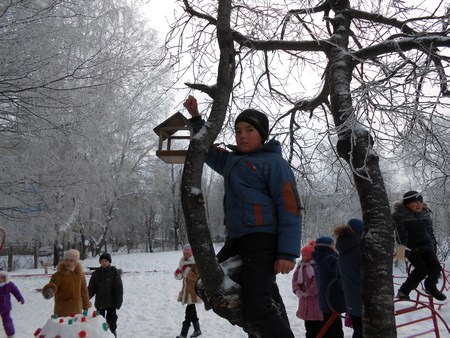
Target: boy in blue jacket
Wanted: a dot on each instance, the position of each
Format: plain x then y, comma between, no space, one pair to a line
262,211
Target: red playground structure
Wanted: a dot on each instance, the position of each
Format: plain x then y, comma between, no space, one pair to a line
424,308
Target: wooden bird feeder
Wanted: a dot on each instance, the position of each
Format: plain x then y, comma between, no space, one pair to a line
167,132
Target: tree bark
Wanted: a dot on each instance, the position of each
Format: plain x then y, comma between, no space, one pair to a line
224,301
355,147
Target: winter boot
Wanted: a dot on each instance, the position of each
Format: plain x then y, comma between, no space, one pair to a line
434,292
402,295
197,331
184,330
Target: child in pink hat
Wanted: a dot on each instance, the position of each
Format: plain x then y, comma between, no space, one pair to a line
188,272
305,288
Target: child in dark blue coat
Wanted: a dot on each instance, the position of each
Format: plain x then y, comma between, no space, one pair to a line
331,298
106,285
348,240
6,289
415,231
263,218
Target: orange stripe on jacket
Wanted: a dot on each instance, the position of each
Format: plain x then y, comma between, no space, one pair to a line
290,201
258,210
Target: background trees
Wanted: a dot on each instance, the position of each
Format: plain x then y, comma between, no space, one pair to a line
80,91
362,81
356,92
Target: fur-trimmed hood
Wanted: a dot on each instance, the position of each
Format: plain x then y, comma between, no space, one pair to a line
396,205
61,268
342,230
346,238
414,229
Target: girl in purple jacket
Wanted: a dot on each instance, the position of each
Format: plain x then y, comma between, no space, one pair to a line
6,289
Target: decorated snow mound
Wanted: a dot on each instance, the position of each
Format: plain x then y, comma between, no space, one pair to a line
75,326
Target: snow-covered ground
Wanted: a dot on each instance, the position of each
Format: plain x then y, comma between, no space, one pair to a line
150,308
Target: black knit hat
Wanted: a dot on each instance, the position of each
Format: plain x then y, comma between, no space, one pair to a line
412,196
257,119
105,255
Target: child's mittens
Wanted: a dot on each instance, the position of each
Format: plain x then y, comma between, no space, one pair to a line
178,274
48,293
87,306
22,301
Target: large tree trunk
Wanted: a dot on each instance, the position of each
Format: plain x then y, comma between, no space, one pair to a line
355,147
223,301
220,295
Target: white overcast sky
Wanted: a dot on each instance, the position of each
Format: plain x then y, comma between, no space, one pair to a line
160,12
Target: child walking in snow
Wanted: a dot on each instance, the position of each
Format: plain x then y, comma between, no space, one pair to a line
6,289
188,272
68,285
107,287
304,286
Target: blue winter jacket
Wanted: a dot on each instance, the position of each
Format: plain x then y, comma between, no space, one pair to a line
260,194
107,287
349,265
415,230
331,297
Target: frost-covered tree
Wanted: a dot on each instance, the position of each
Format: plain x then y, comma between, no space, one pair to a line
81,85
366,77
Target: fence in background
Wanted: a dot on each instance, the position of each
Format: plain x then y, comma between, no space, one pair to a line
14,257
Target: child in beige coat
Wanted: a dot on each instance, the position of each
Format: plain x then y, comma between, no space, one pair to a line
188,272
68,286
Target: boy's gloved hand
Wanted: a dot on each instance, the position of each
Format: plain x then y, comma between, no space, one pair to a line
48,293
